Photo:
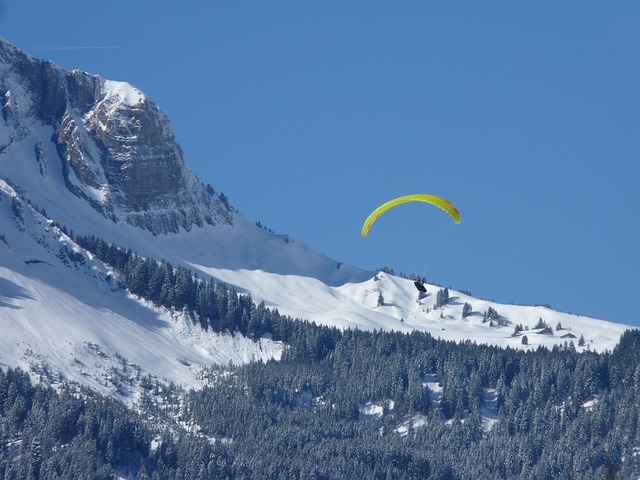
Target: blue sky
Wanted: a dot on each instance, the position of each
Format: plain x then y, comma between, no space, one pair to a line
307,115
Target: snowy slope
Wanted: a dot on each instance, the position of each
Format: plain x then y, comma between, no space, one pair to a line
241,245
62,312
355,305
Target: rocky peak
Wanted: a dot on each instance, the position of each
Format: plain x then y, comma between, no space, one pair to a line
116,147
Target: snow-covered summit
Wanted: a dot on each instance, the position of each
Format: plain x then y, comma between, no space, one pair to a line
107,143
123,92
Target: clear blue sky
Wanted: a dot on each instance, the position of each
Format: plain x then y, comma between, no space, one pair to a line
309,114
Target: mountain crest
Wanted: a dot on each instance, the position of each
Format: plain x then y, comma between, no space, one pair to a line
115,147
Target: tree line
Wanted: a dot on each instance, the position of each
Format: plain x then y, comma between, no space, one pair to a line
210,304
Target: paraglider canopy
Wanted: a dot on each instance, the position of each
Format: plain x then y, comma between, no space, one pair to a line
419,197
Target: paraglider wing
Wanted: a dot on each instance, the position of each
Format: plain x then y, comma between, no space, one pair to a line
419,197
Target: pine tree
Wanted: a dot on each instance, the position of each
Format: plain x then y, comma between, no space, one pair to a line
442,297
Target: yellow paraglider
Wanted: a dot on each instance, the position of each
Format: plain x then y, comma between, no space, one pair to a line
419,197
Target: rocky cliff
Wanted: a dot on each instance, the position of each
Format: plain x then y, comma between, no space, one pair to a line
116,148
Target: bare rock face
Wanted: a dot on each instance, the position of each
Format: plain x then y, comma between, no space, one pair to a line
116,147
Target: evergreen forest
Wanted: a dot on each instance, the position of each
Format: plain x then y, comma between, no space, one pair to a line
338,404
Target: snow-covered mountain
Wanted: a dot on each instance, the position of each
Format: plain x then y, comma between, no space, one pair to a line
95,157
